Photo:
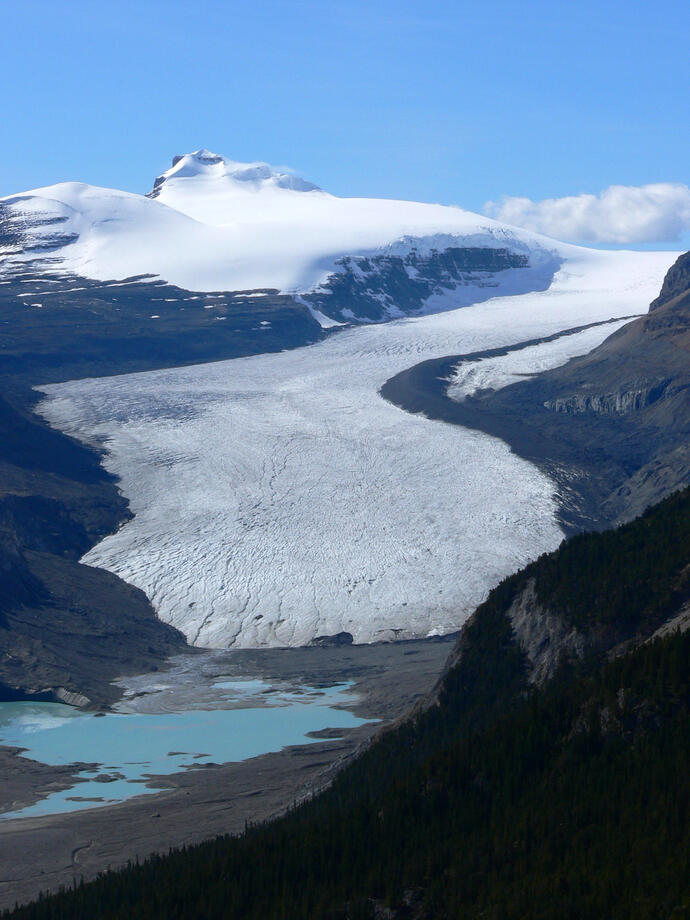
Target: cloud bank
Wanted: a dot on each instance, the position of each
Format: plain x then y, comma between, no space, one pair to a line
620,214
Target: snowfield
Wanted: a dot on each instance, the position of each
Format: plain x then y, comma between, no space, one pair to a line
279,497
211,224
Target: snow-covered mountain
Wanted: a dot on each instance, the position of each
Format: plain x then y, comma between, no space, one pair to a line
211,224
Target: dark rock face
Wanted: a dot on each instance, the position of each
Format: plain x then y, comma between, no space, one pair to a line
15,235
376,288
341,638
19,585
160,180
157,183
82,327
66,629
616,403
676,283
73,630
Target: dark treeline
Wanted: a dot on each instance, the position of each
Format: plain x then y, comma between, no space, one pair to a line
501,800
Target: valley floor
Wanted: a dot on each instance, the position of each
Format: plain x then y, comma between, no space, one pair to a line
37,854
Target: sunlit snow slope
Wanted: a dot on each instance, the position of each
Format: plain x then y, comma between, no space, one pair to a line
279,497
213,224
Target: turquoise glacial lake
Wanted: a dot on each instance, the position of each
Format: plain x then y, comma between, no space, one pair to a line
124,750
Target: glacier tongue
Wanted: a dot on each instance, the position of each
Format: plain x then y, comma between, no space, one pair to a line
278,498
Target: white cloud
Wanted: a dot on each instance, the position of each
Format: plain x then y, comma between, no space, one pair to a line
619,214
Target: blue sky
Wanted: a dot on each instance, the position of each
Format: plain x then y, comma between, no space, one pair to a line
437,101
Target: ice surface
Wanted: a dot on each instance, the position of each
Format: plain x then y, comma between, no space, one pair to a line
279,497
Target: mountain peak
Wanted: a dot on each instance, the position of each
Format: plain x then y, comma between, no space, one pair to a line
205,165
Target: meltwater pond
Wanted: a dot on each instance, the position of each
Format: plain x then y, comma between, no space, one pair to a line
125,750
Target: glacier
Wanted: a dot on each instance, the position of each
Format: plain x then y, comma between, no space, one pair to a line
278,498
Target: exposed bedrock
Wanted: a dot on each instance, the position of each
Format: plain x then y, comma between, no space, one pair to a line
544,636
618,403
384,286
